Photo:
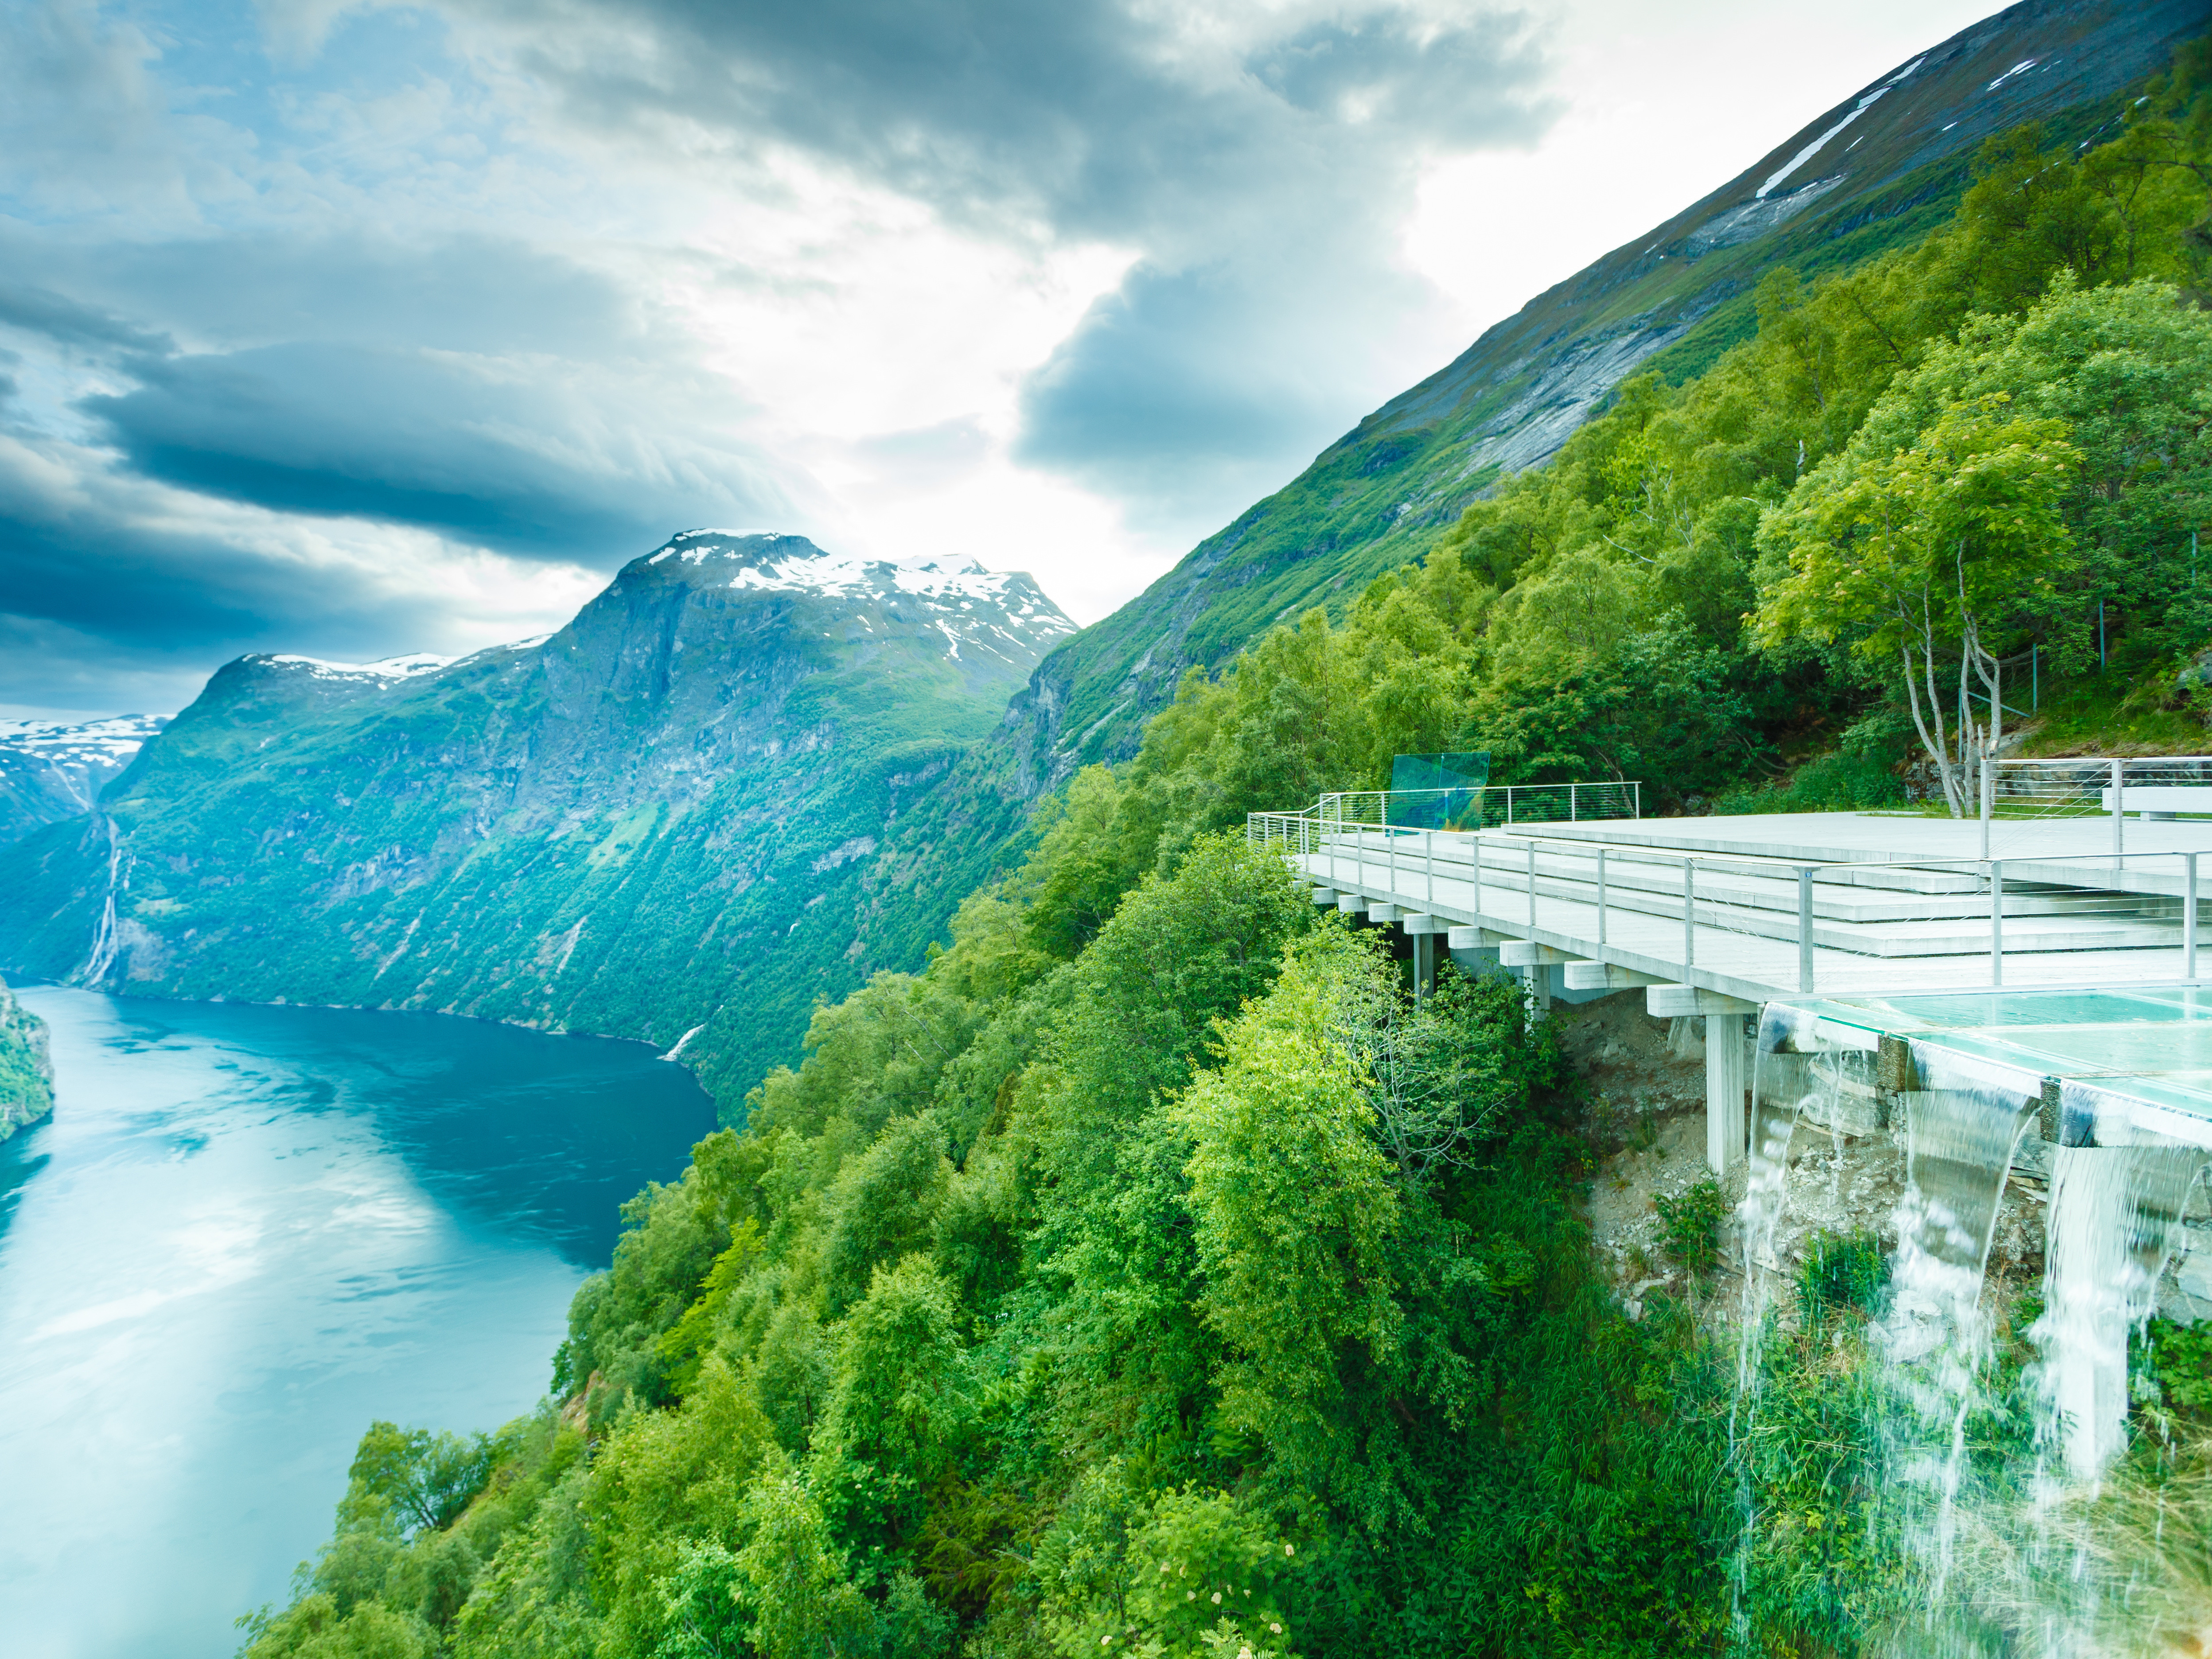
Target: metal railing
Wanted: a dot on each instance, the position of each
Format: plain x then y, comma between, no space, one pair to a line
1484,806
1774,924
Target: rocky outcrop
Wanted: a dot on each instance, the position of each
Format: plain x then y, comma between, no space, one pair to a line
26,1072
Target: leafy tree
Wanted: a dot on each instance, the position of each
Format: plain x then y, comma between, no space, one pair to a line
425,1479
1928,555
1291,1195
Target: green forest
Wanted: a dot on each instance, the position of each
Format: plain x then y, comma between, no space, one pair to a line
1150,1274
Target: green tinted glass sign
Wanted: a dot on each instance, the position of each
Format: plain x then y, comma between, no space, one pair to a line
1438,792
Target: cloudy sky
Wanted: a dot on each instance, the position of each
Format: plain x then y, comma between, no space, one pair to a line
354,328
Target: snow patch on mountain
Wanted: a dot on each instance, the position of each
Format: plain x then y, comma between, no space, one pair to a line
114,741
970,604
387,668
1820,143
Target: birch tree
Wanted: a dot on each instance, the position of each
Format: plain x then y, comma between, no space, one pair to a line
1925,558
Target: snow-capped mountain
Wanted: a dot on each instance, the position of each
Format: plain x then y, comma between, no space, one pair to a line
50,771
665,816
1001,614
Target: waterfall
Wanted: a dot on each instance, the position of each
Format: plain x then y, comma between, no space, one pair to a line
101,961
1793,1078
2114,1213
1936,1338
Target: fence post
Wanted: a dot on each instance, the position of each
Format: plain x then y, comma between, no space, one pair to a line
2119,782
2189,916
1600,895
1804,927
1996,921
1689,915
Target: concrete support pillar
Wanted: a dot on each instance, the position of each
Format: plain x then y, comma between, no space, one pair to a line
1727,1077
1728,1063
1424,965
1538,978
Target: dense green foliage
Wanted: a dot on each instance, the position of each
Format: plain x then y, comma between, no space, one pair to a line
26,1092
1151,1272
1192,1285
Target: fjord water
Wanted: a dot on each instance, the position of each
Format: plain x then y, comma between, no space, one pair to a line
246,1233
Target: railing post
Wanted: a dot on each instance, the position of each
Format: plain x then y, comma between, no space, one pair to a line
1571,803
1532,883
1996,921
1600,895
1508,805
2119,782
1805,928
2189,916
1637,800
1474,847
1989,799
1429,847
1689,914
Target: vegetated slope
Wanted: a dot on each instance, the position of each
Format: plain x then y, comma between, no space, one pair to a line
650,822
1879,171
26,1075
50,771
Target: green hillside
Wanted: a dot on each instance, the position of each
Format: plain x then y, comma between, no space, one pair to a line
26,1075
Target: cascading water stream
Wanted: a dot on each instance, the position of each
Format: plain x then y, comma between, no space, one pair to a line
1935,1339
2115,1213
1793,1078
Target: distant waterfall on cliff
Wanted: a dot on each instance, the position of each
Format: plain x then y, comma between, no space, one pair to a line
101,962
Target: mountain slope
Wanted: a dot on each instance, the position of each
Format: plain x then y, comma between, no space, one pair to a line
1880,170
652,821
50,772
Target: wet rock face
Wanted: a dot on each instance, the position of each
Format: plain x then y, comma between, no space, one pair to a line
27,1074
659,818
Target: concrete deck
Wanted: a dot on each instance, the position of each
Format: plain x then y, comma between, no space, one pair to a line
1889,914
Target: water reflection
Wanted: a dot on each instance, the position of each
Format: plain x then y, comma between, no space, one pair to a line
246,1233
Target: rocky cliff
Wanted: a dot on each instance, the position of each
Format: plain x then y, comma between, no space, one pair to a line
651,824
26,1075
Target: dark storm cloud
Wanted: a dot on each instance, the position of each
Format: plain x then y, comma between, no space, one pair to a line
1105,118
507,455
39,311
1261,189
275,321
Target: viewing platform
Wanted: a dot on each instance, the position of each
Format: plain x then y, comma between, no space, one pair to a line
1715,917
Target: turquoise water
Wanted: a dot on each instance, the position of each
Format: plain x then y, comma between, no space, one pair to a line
246,1233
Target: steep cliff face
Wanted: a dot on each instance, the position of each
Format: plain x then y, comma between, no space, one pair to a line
50,772
26,1075
1882,169
650,824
